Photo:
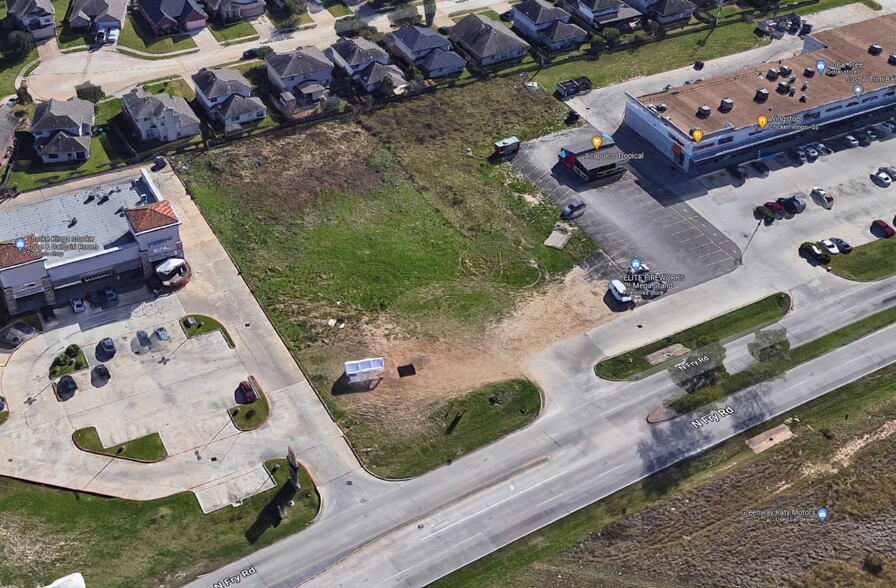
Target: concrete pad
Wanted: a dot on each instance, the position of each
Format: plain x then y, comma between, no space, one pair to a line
769,438
234,489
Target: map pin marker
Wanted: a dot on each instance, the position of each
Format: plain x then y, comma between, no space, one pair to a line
20,243
636,264
858,90
822,514
821,65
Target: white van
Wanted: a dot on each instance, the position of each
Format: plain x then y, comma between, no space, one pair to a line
619,291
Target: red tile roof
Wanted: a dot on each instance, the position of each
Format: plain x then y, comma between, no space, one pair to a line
151,216
11,256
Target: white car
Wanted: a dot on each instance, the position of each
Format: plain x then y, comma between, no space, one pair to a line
851,141
78,305
881,179
888,126
829,246
619,292
112,36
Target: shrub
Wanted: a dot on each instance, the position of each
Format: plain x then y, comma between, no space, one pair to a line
72,350
769,344
90,92
764,213
873,564
19,44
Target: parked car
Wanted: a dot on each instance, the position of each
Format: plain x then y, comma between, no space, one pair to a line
888,126
799,202
864,139
851,141
842,245
890,171
698,65
10,340
779,210
797,156
811,153
619,292
814,252
112,36
881,179
78,305
883,227
160,163
738,171
821,196
829,246
100,37
250,53
872,133
2,403
571,208
760,167
111,295
822,148
248,391
108,346
102,372
143,338
66,385
161,333
788,205
507,16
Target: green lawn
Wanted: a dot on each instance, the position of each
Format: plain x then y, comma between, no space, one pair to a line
770,369
73,363
735,323
159,543
872,261
28,175
175,87
205,324
107,110
337,8
483,416
235,31
554,549
671,53
4,414
247,417
10,69
147,448
136,35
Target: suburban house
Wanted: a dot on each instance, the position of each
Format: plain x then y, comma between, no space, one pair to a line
234,10
671,11
305,67
225,95
372,78
355,54
35,16
546,25
599,14
159,116
62,130
97,14
425,49
166,17
486,41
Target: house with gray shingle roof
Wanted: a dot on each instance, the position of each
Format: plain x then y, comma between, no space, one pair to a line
35,16
226,95
159,116
670,11
306,64
62,130
229,11
546,25
603,13
372,78
97,14
425,49
166,17
486,41
355,54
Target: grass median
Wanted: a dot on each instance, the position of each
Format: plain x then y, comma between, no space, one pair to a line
872,261
733,324
146,448
204,324
156,543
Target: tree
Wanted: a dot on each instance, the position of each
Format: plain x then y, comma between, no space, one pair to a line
296,7
429,11
702,368
264,52
404,15
24,95
611,35
19,45
387,85
769,344
89,92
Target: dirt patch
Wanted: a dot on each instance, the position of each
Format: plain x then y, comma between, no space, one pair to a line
340,162
770,438
666,352
463,361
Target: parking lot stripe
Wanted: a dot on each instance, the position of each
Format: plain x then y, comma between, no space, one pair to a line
692,238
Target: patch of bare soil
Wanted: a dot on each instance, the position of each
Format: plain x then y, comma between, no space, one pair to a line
666,352
301,177
464,361
844,455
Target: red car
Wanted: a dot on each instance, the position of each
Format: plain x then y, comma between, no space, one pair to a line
248,391
883,227
779,210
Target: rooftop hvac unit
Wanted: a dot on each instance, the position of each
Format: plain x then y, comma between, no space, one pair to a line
809,72
726,105
783,87
661,108
875,49
772,74
804,98
785,70
704,111
892,59
792,92
761,95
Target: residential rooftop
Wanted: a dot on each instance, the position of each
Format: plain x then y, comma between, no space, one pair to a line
845,45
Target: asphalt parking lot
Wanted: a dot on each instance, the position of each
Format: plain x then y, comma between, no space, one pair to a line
627,221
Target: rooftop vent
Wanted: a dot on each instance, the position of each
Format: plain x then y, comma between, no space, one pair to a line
805,86
785,70
804,98
892,59
726,105
704,111
809,72
761,95
875,49
792,92
783,87
661,108
772,74
791,79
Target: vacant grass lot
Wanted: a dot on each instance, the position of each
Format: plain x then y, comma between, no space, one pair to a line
235,31
735,323
874,260
454,429
146,448
175,87
607,543
767,370
115,543
136,35
205,324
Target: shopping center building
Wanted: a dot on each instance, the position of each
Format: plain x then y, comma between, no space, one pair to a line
800,102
